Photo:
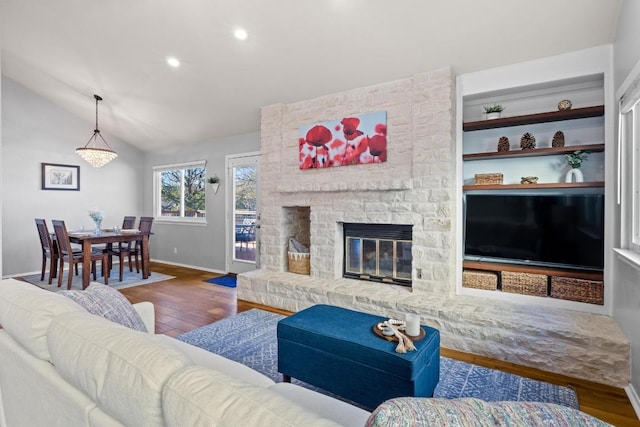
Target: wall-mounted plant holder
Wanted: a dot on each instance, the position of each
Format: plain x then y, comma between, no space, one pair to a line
214,181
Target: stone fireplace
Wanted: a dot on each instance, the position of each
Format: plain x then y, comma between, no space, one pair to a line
416,187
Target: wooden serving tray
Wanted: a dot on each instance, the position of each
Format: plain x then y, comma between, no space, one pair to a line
393,338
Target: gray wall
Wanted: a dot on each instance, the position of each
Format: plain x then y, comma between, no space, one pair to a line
35,130
626,304
200,246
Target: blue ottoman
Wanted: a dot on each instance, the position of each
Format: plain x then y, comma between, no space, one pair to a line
336,349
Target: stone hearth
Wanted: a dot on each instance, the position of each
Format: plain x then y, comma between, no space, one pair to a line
416,186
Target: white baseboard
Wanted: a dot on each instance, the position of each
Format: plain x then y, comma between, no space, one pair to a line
29,273
195,267
633,397
115,261
11,276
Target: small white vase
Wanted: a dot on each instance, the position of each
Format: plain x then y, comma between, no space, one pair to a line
214,187
574,175
491,116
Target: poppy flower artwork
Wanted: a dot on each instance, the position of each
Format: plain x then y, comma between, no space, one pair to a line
353,140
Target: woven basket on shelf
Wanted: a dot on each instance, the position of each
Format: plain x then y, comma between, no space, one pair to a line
488,178
581,290
524,283
478,279
299,262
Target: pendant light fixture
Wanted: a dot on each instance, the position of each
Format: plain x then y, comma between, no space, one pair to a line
95,156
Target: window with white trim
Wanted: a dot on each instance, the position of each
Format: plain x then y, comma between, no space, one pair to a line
179,192
628,195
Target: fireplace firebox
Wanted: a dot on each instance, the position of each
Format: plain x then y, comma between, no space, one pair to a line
378,252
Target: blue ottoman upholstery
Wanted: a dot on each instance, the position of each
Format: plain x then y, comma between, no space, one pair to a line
336,349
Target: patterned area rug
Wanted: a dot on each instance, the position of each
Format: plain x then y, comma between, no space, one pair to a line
129,279
250,338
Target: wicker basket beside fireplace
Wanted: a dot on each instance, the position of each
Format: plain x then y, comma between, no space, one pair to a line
299,263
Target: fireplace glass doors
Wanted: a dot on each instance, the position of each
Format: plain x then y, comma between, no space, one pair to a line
378,252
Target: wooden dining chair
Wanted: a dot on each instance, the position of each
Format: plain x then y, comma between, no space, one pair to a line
144,226
124,250
128,222
66,254
49,250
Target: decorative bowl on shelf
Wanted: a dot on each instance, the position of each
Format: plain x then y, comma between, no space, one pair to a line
565,104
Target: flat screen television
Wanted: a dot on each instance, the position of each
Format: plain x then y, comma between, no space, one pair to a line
563,230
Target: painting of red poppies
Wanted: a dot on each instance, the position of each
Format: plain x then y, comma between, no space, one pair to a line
352,140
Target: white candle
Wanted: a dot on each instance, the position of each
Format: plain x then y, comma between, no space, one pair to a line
413,325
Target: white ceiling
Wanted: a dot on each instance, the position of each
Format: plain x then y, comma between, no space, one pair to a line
67,50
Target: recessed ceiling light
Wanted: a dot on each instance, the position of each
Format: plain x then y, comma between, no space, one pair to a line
173,61
241,34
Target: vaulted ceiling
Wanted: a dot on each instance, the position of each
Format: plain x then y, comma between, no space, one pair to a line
68,50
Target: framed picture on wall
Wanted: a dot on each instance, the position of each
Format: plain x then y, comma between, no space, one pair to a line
60,177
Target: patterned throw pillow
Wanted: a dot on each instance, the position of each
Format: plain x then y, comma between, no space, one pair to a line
420,411
541,414
107,302
464,412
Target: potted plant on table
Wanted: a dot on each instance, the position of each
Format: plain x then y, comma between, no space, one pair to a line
493,111
214,181
575,160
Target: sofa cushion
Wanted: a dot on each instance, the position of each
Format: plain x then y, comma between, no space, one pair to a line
405,411
109,303
207,359
26,312
345,414
122,370
201,397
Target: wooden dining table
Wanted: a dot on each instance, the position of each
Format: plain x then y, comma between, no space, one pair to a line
86,239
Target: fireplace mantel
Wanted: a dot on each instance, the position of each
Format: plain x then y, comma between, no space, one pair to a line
343,186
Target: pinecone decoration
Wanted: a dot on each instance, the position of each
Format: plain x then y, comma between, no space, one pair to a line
528,141
503,144
558,139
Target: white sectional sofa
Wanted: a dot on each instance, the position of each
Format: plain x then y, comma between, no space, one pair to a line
62,366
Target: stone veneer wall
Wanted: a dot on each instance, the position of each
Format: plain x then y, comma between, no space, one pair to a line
415,186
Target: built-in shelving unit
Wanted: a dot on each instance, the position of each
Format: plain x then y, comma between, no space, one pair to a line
480,156
550,151
528,119
525,187
549,271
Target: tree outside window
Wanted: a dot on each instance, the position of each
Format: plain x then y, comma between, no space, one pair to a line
246,188
182,192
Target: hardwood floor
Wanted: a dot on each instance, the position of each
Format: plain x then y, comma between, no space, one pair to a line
188,302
